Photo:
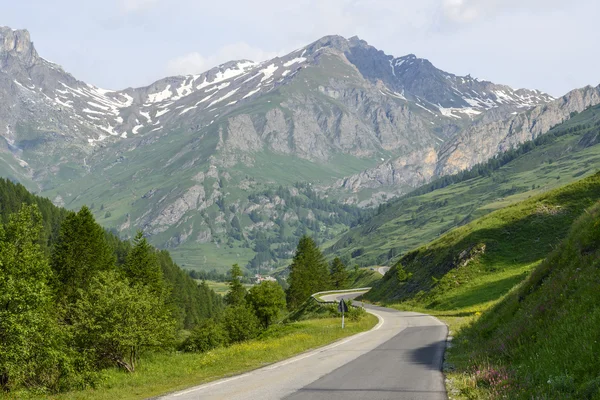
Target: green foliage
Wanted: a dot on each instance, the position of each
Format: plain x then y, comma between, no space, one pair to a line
191,302
80,252
13,196
268,301
481,261
237,292
142,266
113,321
338,274
308,273
240,323
401,274
544,334
65,310
362,277
206,336
29,336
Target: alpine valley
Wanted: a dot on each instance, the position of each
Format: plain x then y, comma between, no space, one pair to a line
236,163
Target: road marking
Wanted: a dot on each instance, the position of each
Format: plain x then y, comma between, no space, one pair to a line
210,385
284,363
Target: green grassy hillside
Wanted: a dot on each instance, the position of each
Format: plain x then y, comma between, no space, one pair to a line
542,340
477,263
565,154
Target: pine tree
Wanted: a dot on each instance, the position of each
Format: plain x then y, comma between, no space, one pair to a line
237,292
80,253
308,273
338,273
142,266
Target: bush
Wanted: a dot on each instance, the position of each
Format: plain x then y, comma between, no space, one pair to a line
240,323
207,336
355,314
268,301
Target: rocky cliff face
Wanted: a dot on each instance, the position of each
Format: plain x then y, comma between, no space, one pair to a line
481,141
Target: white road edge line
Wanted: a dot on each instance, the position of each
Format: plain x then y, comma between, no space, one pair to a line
284,363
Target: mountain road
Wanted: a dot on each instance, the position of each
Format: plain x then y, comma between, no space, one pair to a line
400,358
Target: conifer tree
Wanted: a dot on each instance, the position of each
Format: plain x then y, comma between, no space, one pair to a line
142,266
338,273
308,273
80,253
237,292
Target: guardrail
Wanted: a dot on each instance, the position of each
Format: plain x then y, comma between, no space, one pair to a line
319,301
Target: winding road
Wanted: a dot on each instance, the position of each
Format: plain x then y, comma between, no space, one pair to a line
400,358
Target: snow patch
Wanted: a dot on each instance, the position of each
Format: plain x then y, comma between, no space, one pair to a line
294,61
64,104
87,110
229,73
146,114
160,96
187,109
268,72
161,112
252,92
228,95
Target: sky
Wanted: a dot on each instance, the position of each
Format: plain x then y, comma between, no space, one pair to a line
550,45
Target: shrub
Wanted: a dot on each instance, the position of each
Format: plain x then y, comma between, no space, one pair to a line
240,323
207,336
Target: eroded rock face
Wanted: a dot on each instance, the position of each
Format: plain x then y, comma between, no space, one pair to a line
16,47
480,142
413,170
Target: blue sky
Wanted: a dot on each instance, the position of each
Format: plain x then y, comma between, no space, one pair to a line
544,44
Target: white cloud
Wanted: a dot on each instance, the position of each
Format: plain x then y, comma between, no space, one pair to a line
462,11
193,63
137,5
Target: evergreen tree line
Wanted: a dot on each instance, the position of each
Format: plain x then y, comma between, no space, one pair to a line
248,313
310,273
75,299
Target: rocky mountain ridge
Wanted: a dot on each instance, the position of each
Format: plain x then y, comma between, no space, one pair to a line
182,157
477,143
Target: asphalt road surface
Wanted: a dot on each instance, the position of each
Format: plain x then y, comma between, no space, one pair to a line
383,270
401,358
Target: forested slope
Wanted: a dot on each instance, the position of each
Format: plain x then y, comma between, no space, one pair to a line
75,299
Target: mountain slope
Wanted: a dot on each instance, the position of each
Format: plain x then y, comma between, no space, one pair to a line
542,338
183,156
566,153
509,241
494,132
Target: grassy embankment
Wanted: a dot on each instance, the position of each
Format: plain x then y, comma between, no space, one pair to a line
471,269
541,341
162,373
